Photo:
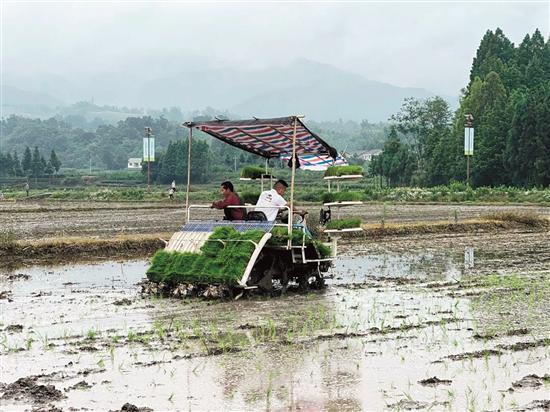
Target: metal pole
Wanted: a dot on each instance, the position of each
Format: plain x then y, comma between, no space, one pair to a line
293,173
188,171
148,169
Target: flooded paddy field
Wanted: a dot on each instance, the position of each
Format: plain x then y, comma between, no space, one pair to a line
444,322
50,219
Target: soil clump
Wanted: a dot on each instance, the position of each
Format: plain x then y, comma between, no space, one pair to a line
26,389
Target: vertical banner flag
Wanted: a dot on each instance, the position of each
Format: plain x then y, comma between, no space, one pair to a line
468,141
152,147
149,149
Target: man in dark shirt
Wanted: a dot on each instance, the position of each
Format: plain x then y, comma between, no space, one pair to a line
230,198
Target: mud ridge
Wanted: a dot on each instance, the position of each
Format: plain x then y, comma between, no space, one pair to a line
68,251
420,228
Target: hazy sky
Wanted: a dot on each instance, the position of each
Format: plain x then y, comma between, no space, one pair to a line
420,44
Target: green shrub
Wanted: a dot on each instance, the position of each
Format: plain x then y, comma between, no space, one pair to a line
252,172
340,224
342,196
132,194
72,181
344,170
455,186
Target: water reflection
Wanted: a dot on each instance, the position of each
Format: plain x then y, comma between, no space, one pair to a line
429,266
468,257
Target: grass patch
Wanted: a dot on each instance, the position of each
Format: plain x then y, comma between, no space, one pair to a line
344,170
7,239
339,224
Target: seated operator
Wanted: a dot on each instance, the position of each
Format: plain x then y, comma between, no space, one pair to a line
275,199
230,198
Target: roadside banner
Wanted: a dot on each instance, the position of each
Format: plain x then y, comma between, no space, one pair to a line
149,149
468,141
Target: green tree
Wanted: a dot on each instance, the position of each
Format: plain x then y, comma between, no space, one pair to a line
54,161
494,53
491,132
528,145
37,166
18,171
396,163
49,169
424,124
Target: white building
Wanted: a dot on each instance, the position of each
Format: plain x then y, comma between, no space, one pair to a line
134,163
369,154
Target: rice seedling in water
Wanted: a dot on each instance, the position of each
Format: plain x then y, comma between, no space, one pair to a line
92,334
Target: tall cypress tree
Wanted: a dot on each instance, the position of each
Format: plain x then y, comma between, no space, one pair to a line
54,161
528,151
37,166
18,171
491,127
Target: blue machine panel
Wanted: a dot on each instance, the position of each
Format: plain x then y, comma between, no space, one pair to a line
239,225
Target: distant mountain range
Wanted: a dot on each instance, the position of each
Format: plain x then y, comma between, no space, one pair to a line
321,91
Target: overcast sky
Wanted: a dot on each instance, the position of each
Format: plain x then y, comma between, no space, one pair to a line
420,44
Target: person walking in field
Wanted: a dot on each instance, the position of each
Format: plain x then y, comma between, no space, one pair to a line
27,188
171,193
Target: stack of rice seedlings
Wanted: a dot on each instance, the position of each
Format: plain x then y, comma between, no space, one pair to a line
218,263
348,223
253,172
344,170
279,237
345,196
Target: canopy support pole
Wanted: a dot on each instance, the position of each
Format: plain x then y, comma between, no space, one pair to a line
188,173
293,173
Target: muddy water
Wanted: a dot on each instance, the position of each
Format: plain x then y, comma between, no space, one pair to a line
388,320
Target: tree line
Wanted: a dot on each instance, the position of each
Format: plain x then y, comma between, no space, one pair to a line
509,97
109,146
171,164
31,165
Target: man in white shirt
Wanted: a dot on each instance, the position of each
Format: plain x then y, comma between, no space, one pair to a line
273,197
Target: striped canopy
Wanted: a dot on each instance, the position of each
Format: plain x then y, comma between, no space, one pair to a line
318,163
270,138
